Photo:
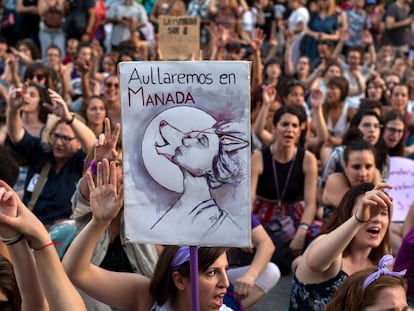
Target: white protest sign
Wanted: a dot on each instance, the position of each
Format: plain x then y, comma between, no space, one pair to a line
186,144
402,179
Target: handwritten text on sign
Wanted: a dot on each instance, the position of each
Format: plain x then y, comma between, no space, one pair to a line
157,76
179,37
402,179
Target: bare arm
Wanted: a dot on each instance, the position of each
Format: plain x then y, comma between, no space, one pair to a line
256,171
59,291
31,291
257,65
264,251
335,188
391,23
265,136
15,128
323,258
318,120
310,170
82,132
289,68
124,290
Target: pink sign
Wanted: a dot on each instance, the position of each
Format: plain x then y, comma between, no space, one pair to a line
402,179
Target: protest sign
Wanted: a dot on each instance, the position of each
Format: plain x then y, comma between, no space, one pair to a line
402,179
186,140
179,37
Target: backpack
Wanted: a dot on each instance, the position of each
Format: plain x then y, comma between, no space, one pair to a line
53,18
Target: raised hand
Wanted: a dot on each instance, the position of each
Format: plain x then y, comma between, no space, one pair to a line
106,197
8,206
105,147
19,218
58,106
269,94
316,98
15,100
258,38
367,37
374,202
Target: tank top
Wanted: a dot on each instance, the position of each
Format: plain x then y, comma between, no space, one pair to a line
314,297
266,187
341,125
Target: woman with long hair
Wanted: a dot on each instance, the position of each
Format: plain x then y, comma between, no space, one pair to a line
94,111
168,289
323,25
279,175
355,238
372,289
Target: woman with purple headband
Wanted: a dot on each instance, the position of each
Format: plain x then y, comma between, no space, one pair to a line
372,289
355,237
170,287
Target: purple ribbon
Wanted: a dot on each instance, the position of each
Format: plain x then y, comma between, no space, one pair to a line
385,261
180,257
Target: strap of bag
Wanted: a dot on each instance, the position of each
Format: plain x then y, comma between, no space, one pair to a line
39,185
169,8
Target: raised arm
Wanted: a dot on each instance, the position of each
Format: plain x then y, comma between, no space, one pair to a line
82,132
289,67
105,148
59,291
323,258
264,135
257,65
31,291
123,290
318,122
15,128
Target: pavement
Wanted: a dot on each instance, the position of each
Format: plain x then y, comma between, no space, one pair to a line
277,299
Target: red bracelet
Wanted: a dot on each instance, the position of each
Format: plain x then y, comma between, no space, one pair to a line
47,245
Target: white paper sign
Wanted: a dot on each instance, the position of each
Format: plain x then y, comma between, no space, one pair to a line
402,179
186,143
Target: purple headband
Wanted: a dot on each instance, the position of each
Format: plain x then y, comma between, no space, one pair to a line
382,269
180,257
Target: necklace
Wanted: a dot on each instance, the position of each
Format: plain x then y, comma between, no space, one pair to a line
280,196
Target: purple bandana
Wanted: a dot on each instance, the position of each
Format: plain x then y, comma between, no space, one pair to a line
382,269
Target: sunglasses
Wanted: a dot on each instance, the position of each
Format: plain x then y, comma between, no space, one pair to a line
110,84
39,76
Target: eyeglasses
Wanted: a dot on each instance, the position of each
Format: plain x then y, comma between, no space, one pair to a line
393,130
369,125
65,139
110,84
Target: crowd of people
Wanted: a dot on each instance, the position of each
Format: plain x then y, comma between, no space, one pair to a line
332,100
